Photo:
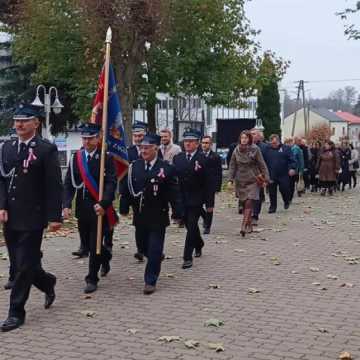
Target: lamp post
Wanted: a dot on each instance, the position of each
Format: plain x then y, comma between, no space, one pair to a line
56,106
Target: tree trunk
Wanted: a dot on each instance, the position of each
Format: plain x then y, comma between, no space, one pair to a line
151,116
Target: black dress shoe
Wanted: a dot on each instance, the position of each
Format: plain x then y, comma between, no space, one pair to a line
105,269
80,253
12,323
9,285
149,289
198,253
286,206
139,256
272,211
90,288
162,257
50,297
206,231
187,264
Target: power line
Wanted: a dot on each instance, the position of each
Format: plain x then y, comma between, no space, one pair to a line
326,81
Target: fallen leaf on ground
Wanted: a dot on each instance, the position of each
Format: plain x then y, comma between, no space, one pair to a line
171,276
253,291
323,330
169,339
350,285
332,277
214,286
87,297
88,313
218,347
214,322
316,283
239,250
345,356
132,331
314,269
191,344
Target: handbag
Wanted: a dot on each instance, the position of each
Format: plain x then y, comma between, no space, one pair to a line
356,164
300,185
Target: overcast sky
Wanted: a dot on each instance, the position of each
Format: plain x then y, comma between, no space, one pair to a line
308,33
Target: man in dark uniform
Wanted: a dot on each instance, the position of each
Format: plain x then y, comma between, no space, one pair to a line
213,163
12,136
83,172
138,133
281,164
151,186
196,190
30,200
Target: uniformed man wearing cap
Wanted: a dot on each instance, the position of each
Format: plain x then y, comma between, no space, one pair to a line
151,187
82,178
30,200
138,133
196,190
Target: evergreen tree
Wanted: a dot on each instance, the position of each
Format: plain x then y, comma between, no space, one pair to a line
268,106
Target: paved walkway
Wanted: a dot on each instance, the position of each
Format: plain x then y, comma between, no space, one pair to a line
290,291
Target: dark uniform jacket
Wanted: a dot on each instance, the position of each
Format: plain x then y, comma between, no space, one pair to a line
84,200
133,153
194,179
213,164
279,161
32,196
159,187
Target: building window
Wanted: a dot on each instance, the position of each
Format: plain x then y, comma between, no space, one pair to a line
343,130
333,131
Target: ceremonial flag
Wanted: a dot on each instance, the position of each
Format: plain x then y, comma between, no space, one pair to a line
115,137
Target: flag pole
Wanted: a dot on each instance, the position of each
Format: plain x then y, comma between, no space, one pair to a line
104,134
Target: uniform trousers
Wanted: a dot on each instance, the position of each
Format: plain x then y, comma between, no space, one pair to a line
258,204
24,247
193,239
152,240
284,188
89,227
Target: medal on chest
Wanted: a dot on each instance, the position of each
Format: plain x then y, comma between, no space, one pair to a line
155,187
31,157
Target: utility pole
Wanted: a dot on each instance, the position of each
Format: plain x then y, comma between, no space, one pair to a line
301,99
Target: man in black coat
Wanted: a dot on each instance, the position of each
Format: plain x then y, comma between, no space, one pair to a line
84,168
152,186
138,133
30,200
213,164
196,190
281,164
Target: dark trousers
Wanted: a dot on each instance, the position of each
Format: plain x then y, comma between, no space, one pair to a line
153,242
207,218
258,204
193,238
293,181
12,270
284,188
108,238
353,178
139,241
95,261
26,256
84,232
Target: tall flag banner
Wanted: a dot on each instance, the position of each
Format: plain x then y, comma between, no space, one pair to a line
115,138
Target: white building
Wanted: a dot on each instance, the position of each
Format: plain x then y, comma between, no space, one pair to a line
316,117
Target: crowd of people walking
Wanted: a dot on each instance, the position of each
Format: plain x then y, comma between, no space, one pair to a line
165,182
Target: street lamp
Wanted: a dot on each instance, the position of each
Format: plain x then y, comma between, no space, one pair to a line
259,125
56,106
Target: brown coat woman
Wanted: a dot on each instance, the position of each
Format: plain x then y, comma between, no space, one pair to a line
328,166
248,171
